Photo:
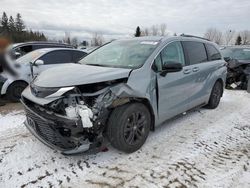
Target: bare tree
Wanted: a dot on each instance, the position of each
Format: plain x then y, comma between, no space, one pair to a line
210,34
67,38
218,37
228,36
163,28
245,36
214,35
146,32
155,30
74,41
97,40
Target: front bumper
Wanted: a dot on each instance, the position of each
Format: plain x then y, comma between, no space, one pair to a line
59,133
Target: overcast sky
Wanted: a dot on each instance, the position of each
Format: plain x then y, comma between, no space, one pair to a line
119,18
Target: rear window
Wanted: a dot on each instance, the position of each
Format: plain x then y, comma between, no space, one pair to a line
57,57
237,53
196,52
213,53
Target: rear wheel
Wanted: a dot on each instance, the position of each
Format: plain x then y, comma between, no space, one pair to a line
15,90
215,96
128,127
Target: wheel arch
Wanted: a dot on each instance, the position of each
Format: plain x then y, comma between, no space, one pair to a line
139,100
14,82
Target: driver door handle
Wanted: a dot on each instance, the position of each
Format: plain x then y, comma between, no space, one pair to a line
196,69
187,71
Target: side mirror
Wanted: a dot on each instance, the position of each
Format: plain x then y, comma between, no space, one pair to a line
171,67
227,59
17,55
38,62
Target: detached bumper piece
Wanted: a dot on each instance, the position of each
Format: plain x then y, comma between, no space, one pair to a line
56,132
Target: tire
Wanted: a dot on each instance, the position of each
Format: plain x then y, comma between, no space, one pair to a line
15,90
128,127
215,96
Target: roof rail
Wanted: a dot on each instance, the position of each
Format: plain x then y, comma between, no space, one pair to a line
184,35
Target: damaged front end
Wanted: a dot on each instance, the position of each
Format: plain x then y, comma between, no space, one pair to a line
238,75
74,121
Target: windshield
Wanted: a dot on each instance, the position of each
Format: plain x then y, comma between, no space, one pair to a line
237,53
30,57
122,54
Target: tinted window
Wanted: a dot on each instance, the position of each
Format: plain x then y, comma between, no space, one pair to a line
213,53
78,55
196,52
172,53
56,57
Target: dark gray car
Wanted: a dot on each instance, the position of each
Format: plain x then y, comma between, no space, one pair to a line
238,58
123,90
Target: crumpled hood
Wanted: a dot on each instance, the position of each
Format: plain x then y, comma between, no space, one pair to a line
77,74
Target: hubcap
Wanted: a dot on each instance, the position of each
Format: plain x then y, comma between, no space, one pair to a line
134,129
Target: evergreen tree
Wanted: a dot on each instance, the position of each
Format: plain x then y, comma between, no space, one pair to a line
238,40
19,23
138,32
12,27
4,23
15,30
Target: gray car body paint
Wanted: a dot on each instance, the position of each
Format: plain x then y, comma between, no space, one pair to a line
168,96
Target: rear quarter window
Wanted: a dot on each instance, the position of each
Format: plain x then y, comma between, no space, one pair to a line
195,51
213,53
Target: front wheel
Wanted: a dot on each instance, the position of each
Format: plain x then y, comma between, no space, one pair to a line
129,126
215,96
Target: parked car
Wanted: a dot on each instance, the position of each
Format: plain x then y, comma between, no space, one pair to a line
18,50
123,90
238,58
30,65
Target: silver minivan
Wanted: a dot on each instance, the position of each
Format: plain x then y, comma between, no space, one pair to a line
121,91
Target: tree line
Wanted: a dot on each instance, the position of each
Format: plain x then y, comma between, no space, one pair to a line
15,30
154,30
228,37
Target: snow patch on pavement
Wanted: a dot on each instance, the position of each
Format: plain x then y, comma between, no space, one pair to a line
11,120
204,148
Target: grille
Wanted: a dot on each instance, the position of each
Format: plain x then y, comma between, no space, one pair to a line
47,131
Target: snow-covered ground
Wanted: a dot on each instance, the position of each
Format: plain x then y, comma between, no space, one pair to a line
204,148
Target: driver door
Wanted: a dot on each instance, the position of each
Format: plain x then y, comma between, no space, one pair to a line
173,88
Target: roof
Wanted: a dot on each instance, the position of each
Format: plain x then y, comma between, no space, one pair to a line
164,38
46,50
40,42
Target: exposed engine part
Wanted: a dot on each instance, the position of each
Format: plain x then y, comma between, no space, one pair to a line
81,111
238,75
